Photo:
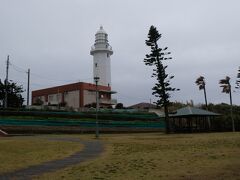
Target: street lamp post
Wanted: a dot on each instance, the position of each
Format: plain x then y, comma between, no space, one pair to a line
96,79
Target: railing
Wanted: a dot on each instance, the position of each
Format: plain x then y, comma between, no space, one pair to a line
93,48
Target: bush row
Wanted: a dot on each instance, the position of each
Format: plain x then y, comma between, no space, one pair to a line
82,115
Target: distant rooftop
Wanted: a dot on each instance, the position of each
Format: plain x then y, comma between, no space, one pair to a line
192,111
142,105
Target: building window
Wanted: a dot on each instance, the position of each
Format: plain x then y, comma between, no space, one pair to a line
50,97
91,93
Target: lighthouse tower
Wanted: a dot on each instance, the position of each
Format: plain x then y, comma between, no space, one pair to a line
101,52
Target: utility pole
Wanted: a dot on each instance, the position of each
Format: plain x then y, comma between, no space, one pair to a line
28,72
58,101
96,79
6,84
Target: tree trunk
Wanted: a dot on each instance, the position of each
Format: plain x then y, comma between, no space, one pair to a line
161,81
233,124
205,96
167,119
206,104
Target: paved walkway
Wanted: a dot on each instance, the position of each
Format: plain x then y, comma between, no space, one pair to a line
2,133
91,150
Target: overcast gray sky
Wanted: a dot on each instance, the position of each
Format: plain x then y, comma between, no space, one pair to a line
53,38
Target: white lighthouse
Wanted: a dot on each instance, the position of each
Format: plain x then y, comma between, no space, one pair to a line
101,51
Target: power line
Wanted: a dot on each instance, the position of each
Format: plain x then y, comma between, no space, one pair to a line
53,79
17,68
22,70
32,84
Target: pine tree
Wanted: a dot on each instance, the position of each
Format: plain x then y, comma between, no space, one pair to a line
162,86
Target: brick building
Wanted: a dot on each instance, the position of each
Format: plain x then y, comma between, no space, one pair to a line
74,95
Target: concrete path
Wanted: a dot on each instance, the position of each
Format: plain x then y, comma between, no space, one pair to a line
91,150
2,133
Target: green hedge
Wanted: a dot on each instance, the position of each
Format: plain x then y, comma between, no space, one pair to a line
84,115
86,123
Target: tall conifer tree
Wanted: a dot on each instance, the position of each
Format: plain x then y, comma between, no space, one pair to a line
162,86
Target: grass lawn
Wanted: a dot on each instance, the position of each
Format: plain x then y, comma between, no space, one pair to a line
160,156
20,152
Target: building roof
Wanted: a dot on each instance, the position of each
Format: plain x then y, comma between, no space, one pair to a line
192,111
70,87
104,91
142,105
